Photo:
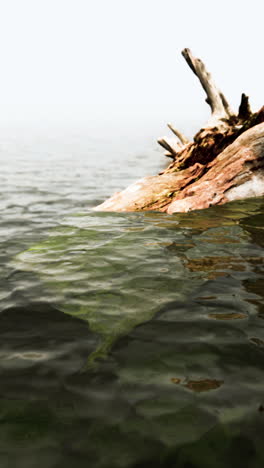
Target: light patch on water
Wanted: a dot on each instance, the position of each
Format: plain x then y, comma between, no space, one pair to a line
29,356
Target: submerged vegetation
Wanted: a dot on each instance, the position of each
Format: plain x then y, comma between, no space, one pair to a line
85,272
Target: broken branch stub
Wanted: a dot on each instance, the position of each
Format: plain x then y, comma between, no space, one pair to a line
168,154
169,145
244,111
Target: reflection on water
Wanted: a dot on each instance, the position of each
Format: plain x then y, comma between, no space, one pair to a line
128,340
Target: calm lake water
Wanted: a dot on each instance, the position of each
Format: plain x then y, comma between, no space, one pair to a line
126,340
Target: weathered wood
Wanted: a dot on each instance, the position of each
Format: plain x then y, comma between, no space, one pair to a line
170,145
178,134
237,172
168,154
215,98
244,111
225,160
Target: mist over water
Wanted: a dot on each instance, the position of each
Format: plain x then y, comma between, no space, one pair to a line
126,339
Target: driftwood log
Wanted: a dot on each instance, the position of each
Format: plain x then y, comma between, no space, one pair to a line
224,162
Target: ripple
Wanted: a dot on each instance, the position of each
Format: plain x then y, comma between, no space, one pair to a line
125,337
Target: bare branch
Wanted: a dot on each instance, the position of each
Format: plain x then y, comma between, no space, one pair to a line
176,132
170,145
215,98
169,155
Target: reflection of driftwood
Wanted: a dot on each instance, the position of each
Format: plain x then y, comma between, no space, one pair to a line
225,161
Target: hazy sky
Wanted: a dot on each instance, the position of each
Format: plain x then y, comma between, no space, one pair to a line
117,62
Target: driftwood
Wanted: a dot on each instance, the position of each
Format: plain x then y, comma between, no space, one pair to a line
225,160
215,98
172,146
178,134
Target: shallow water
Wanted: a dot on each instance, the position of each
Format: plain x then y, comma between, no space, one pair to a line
127,340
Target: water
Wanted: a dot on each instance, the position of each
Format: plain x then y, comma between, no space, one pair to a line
126,340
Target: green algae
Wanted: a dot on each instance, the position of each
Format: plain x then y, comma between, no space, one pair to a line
115,280
83,271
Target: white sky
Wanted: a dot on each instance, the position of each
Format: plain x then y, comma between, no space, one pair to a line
110,63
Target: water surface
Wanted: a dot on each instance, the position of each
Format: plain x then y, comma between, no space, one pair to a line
127,339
